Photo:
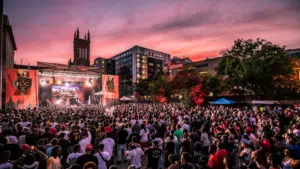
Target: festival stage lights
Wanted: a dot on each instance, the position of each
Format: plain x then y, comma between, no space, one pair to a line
58,101
67,84
59,82
43,83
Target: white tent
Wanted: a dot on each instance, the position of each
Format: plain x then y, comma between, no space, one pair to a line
124,98
265,102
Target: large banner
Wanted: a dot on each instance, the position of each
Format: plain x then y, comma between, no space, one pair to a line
110,89
21,88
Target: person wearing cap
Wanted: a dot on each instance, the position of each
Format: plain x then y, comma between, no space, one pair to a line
153,155
87,157
245,154
65,131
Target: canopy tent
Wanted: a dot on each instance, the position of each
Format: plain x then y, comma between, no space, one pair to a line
265,102
124,98
223,101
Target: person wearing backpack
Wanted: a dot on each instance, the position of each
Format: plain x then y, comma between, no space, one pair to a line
103,157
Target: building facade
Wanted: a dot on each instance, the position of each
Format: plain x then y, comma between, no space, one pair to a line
206,66
81,49
138,63
296,54
8,52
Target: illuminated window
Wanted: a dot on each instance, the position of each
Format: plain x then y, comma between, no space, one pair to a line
138,65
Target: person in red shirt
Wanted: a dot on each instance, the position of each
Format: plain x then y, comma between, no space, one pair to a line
216,161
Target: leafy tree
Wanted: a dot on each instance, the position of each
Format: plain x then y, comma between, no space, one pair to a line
255,67
184,79
142,87
212,84
159,88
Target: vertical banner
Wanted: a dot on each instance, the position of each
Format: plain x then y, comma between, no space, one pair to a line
110,89
21,88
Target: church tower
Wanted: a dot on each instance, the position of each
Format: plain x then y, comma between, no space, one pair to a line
81,49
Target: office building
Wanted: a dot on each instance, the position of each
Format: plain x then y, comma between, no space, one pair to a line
138,63
8,52
206,66
81,49
104,66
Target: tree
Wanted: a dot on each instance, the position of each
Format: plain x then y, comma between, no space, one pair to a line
159,89
142,87
255,67
198,93
213,84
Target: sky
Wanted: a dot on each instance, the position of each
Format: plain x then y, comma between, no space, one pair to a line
198,29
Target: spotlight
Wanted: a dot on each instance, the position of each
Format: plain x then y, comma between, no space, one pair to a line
67,84
88,83
58,101
59,82
43,82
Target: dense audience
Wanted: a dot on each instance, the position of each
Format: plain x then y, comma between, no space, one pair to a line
153,136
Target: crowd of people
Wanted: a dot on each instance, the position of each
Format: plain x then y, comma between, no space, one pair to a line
153,136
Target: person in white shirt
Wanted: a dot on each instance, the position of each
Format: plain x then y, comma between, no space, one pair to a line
102,156
109,144
204,140
63,130
86,139
72,158
144,136
135,156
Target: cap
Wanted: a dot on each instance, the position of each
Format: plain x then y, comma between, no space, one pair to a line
245,141
89,147
48,123
52,130
25,147
249,129
63,127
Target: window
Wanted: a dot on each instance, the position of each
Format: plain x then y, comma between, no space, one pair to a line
96,62
138,65
79,51
82,52
151,64
86,53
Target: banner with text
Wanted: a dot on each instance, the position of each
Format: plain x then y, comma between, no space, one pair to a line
110,89
21,88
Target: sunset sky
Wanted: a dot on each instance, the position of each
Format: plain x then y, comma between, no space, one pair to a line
197,29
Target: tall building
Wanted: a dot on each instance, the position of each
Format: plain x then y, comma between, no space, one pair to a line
81,49
8,52
138,63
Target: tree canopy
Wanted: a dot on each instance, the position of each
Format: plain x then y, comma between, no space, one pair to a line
255,67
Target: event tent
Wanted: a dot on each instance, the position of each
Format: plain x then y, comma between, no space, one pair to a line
223,101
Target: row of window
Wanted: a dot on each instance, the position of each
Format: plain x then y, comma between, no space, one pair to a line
83,53
123,55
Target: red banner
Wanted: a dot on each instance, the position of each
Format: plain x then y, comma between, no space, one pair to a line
110,89
21,88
